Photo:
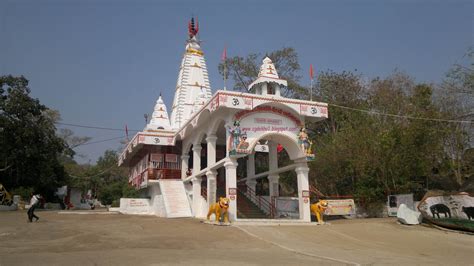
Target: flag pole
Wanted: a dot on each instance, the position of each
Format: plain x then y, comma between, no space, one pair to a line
225,75
224,58
311,76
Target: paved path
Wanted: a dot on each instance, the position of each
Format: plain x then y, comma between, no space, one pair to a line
78,239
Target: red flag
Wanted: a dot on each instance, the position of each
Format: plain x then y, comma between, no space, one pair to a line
126,131
224,54
311,72
279,147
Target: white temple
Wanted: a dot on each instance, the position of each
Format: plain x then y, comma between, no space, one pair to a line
208,147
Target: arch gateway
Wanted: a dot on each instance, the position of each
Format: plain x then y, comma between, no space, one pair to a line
212,144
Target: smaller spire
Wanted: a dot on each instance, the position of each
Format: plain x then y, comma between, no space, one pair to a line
268,74
159,118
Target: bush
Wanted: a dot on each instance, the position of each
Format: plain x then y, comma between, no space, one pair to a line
24,192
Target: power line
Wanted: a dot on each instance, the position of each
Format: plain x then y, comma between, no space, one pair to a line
403,116
103,172
331,104
99,141
95,127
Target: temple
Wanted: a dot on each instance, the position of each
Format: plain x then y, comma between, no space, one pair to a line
209,145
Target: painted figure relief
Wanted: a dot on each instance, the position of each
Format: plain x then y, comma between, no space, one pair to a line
305,143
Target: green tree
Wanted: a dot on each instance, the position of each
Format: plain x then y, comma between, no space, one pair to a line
29,145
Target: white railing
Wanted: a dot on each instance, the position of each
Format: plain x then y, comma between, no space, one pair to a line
165,165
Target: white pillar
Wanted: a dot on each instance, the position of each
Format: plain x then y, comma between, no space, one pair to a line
277,89
231,183
303,185
211,187
197,196
184,165
251,165
272,156
211,150
196,158
274,185
264,88
273,165
251,183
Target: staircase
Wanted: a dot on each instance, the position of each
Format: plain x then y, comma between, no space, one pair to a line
247,209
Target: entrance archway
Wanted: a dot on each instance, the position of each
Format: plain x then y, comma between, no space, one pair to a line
254,202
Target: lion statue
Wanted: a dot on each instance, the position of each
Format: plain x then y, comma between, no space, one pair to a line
220,209
318,209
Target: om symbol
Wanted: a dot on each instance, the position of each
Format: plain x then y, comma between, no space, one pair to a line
235,101
314,110
157,140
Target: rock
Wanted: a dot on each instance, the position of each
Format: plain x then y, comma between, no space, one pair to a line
408,216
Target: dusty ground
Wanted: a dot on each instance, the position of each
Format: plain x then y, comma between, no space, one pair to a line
113,239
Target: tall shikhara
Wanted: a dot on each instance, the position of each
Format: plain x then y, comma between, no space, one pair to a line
193,80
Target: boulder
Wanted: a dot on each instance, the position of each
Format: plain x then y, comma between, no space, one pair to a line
408,216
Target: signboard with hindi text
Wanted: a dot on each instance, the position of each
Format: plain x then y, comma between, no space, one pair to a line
340,207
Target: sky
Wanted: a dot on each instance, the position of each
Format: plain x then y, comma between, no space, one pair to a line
104,63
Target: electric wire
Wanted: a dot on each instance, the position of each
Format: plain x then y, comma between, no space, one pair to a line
102,172
100,141
96,127
403,116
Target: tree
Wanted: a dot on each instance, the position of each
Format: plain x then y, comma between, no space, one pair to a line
29,145
455,96
244,70
106,179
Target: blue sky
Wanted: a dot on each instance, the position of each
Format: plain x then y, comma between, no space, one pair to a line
104,63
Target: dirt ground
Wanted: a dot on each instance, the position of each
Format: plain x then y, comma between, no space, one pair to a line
114,239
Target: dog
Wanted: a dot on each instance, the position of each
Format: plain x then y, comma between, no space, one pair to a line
318,210
219,209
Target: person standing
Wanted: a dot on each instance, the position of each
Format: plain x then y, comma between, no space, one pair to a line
34,202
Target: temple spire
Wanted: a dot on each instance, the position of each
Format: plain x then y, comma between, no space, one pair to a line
193,80
159,118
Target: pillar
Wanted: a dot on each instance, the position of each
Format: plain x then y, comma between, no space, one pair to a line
211,150
231,183
184,165
272,156
273,166
303,185
277,89
251,165
197,196
196,158
264,88
251,183
274,185
211,186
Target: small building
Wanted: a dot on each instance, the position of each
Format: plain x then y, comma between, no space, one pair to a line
184,162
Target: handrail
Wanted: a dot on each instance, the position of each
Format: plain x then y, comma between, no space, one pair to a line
262,202
314,190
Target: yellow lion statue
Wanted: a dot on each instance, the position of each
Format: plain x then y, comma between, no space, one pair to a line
318,209
220,209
